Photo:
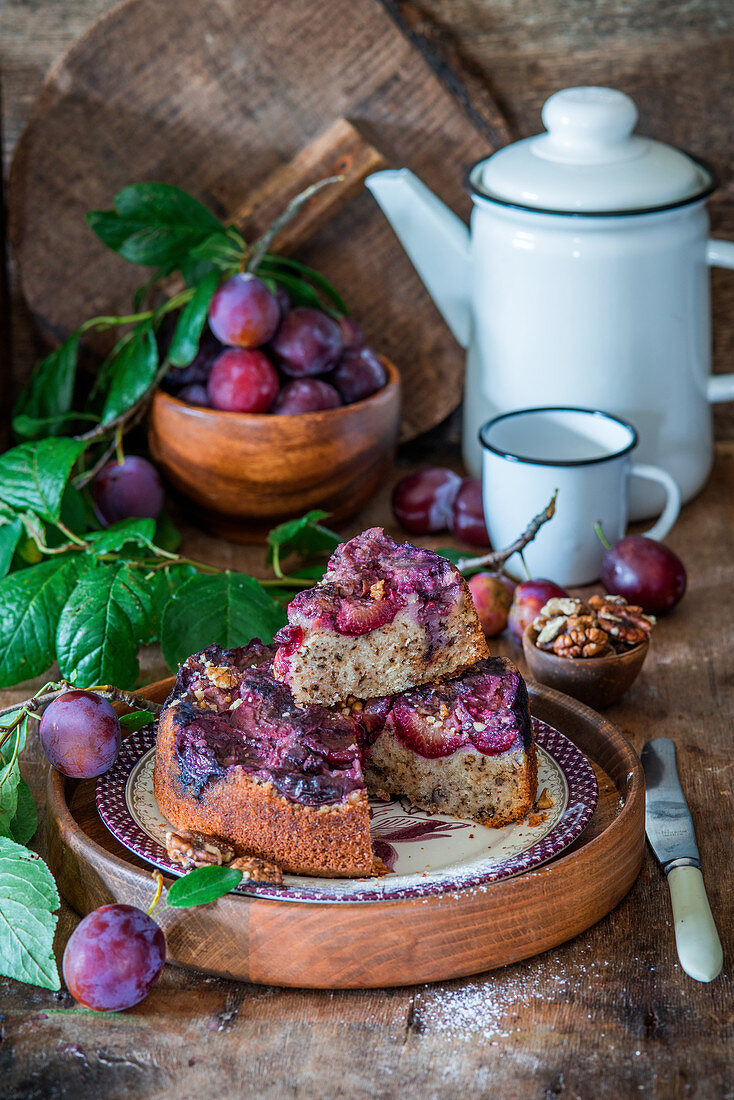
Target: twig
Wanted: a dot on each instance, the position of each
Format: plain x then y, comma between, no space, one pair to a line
497,558
262,244
138,407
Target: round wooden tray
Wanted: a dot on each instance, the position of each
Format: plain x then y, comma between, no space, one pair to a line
382,943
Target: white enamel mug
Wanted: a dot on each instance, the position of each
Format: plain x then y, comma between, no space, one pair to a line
585,455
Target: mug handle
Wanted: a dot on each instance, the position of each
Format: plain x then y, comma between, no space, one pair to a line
720,387
672,505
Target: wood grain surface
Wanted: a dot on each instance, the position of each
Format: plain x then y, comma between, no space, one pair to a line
249,87
610,1014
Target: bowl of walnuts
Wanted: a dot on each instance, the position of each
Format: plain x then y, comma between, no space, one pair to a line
592,650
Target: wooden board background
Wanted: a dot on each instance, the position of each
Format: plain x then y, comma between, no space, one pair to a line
611,1014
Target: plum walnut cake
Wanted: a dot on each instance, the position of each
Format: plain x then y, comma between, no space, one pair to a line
462,747
385,617
237,759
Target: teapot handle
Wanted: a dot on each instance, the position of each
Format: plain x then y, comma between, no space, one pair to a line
720,387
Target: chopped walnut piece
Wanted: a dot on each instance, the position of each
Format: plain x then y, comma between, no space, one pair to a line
582,638
223,677
626,623
377,591
194,850
258,870
545,800
560,605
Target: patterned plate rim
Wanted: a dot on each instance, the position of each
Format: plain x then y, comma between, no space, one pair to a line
583,796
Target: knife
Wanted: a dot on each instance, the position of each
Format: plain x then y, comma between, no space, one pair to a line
670,832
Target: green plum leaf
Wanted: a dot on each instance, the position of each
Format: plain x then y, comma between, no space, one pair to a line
228,609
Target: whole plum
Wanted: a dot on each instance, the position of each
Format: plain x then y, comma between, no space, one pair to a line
645,572
113,958
529,597
492,600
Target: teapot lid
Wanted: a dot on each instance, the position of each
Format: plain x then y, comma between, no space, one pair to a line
589,161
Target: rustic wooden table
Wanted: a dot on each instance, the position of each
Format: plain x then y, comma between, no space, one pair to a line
610,1014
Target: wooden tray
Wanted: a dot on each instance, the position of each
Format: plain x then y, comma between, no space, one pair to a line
381,943
216,99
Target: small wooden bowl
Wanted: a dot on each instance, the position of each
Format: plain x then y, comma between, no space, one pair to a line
248,472
596,681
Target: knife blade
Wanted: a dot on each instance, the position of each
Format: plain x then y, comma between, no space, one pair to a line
669,829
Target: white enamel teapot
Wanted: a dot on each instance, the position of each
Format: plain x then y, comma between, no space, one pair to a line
584,281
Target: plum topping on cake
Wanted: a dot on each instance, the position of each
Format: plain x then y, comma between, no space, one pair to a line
372,577
384,618
484,708
232,713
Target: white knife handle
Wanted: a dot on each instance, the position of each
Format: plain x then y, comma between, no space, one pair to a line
698,943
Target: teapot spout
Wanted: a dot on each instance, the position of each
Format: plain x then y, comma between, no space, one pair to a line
436,240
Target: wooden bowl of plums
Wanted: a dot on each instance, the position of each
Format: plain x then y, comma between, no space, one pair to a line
283,410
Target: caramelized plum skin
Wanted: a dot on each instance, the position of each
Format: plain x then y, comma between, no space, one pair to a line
484,708
113,958
309,754
128,489
80,734
370,578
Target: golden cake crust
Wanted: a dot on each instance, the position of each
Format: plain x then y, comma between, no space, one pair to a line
330,841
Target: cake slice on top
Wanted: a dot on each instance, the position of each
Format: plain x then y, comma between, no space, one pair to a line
385,617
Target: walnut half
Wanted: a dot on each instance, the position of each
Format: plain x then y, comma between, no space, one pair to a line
258,870
194,850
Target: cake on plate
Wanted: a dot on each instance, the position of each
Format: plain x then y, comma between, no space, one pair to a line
238,759
462,747
384,618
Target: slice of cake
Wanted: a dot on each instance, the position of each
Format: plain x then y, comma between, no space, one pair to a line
462,747
238,760
385,617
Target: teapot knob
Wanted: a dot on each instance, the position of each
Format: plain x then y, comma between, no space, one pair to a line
588,119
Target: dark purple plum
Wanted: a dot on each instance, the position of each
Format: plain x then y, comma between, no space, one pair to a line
304,395
351,333
195,394
197,372
284,301
127,489
243,312
645,572
80,734
242,381
307,342
113,958
423,500
359,374
467,514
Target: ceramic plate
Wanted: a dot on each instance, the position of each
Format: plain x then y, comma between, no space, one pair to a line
426,853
